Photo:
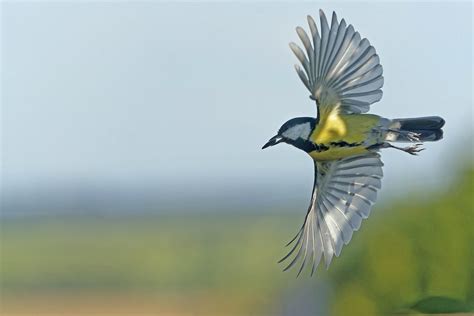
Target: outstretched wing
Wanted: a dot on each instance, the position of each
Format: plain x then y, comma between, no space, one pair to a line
343,194
339,68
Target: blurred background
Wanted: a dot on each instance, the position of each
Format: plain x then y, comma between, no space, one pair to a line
132,180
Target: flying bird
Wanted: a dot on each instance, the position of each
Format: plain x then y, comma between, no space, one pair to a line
343,74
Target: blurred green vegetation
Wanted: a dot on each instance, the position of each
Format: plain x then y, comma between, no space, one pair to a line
420,247
406,252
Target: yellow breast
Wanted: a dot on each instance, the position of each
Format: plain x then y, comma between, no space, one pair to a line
333,127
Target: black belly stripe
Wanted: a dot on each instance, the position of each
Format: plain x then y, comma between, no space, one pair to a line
308,146
345,144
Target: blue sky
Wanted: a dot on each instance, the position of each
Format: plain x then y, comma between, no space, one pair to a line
185,94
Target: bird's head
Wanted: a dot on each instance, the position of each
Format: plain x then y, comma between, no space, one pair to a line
293,132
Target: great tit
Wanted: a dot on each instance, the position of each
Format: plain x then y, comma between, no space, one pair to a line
343,74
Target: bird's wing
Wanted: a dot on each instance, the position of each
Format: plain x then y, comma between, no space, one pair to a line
343,194
339,68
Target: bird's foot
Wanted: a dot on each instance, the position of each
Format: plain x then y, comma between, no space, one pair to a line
412,150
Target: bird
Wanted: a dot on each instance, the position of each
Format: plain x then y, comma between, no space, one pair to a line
343,74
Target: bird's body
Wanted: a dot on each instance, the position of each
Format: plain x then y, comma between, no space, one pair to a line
341,135
344,77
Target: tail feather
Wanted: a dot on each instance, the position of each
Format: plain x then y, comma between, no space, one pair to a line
420,123
423,129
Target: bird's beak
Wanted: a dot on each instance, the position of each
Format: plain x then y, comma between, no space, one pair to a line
273,141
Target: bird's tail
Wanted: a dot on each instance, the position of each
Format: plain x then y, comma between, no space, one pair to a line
422,129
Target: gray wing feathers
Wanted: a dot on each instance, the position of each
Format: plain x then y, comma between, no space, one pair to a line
343,195
339,67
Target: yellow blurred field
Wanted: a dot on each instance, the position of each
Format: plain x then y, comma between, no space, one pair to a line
130,304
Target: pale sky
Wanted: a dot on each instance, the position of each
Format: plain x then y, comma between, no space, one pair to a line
185,94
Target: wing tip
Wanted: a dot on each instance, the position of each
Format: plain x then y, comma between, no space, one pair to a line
327,260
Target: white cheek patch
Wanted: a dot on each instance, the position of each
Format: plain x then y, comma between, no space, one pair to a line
302,131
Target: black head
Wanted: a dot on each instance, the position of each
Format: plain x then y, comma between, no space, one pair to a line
294,132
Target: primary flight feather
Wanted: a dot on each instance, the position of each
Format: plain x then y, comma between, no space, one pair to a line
343,74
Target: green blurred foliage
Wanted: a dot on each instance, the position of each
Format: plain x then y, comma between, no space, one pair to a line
419,248
406,252
163,252
440,304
